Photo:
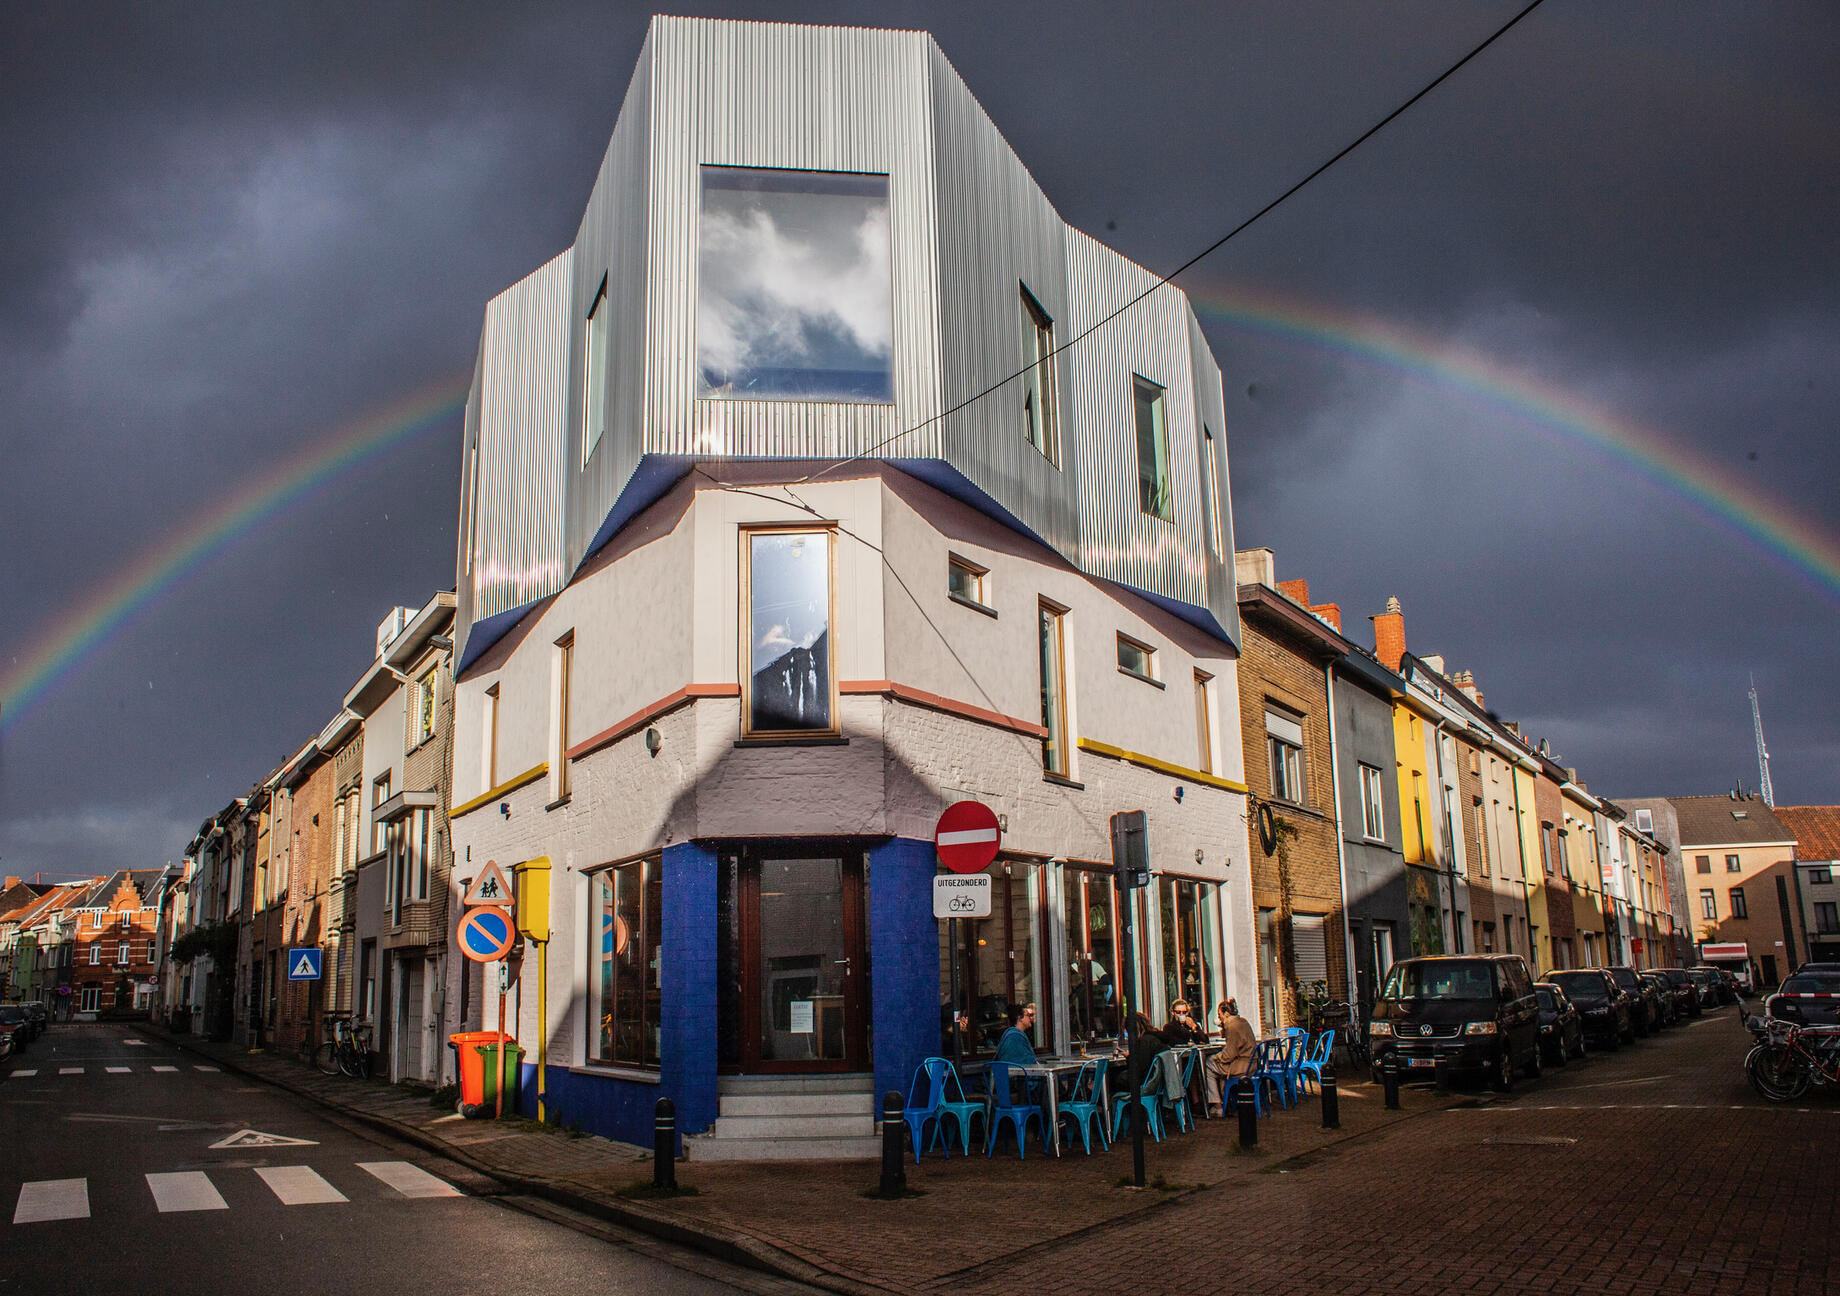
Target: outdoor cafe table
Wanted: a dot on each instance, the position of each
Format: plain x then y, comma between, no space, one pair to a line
1050,1071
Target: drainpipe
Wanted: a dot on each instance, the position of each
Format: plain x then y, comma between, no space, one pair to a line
1520,850
1341,853
1450,839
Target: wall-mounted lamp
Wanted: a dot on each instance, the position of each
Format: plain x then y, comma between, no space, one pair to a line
504,808
1002,823
1198,854
1178,794
653,740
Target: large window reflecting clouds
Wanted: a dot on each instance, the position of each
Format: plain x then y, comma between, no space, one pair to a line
790,688
793,295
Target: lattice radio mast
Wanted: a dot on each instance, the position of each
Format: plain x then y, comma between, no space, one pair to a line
1763,753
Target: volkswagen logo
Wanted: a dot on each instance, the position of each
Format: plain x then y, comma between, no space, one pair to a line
1424,1030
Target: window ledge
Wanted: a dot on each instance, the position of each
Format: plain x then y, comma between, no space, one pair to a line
1061,780
557,804
614,1071
817,740
1147,679
973,604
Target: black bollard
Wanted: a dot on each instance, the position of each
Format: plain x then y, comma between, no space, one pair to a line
1389,1077
1443,1077
1331,1101
1248,1120
664,1145
894,1164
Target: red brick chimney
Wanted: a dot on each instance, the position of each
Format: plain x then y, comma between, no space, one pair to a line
1297,591
1466,684
1390,635
1330,612
11,882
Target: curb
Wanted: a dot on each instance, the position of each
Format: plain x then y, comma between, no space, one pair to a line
729,1245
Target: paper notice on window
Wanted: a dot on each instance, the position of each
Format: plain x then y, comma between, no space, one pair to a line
801,1017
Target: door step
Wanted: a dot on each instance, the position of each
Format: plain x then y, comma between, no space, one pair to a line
790,1118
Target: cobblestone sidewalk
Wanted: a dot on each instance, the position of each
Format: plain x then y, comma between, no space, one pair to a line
814,1222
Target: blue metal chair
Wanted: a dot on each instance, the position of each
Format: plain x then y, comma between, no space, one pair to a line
1268,1068
945,1097
1082,1107
1231,1085
1312,1066
1003,1107
1150,1096
1185,1117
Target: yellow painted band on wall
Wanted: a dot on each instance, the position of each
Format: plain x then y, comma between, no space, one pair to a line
530,775
1161,766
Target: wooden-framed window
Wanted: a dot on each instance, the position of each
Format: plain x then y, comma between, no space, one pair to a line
489,736
968,582
1051,642
1204,722
1090,913
788,680
565,670
422,713
1136,658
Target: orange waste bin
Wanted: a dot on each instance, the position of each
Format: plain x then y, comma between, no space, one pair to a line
478,1078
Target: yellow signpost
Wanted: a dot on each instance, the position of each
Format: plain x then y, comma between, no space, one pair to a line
533,923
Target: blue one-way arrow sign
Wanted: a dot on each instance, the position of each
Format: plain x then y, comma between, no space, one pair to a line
303,964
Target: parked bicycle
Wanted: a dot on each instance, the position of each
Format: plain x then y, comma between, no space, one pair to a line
1788,1059
349,1049
1350,1037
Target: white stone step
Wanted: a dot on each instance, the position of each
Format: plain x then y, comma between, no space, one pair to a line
767,1127
703,1148
797,1104
795,1084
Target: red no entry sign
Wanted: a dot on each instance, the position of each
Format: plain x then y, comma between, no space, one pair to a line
967,836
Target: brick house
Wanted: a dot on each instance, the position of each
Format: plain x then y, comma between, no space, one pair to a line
1297,892
113,934
1740,868
1817,859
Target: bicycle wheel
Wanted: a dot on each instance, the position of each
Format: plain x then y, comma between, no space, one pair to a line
351,1061
326,1058
1776,1073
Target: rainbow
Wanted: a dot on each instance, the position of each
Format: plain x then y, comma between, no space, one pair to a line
88,626
1803,547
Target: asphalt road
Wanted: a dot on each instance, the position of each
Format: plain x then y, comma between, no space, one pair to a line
128,1166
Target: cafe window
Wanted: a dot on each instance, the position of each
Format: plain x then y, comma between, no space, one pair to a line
1190,938
1093,990
1001,962
624,1003
790,688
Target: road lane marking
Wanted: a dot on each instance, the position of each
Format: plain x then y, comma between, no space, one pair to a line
299,1185
70,1070
204,1068
410,1181
165,1068
184,1190
132,1042
52,1199
118,1070
24,1072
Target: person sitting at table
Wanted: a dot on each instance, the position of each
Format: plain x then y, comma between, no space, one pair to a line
1014,1044
1182,1028
1146,1042
1235,1059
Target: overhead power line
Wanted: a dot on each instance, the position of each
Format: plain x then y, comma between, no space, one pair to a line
1209,250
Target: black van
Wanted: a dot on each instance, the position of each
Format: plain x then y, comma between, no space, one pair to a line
1472,1012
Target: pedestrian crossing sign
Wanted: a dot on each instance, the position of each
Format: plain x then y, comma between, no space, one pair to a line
491,887
303,964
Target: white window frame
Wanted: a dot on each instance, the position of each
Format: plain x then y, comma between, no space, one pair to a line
95,953
1373,804
1709,904
121,955
1284,755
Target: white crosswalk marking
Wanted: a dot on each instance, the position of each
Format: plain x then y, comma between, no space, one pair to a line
299,1185
410,1181
70,1070
118,1070
52,1199
24,1073
204,1068
165,1068
131,1043
184,1190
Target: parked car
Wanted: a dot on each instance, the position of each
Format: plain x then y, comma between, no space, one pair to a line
1807,999
1720,981
1664,996
1601,1003
15,1025
1561,1028
1705,986
1644,999
41,1019
1686,998
1473,1013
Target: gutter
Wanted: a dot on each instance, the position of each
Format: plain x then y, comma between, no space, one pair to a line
1341,852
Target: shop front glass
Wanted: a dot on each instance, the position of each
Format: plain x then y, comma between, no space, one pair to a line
1093,991
1000,963
1189,940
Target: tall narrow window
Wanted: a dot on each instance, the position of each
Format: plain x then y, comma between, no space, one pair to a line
790,687
1204,724
1284,749
489,734
1739,909
423,719
624,932
1708,903
593,375
1373,816
565,665
1482,835
472,503
380,792
1210,493
1153,494
424,851
1038,412
1053,694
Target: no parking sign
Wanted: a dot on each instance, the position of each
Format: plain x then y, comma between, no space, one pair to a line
487,934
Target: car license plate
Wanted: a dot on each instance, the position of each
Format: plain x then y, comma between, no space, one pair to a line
1421,1062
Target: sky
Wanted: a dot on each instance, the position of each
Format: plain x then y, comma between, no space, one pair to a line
1551,358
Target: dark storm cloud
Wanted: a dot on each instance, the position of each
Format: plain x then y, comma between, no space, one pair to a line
229,231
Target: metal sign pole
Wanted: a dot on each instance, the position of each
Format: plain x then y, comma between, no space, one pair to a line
1134,1070
958,1055
498,1084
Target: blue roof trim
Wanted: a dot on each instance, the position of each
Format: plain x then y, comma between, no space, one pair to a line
481,635
654,476
942,476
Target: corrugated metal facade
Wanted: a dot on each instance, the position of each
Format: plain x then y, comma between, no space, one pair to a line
969,230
